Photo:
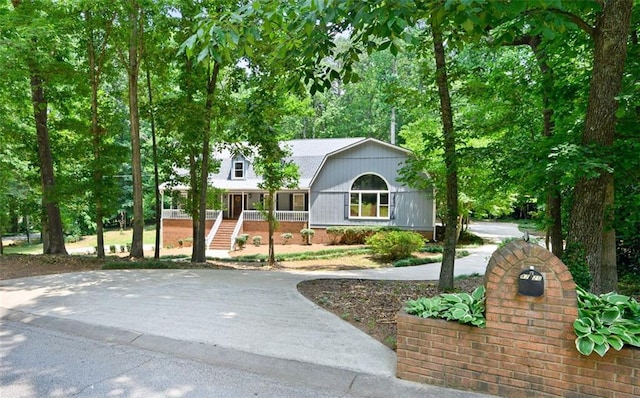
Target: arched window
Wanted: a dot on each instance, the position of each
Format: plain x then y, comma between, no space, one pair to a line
369,197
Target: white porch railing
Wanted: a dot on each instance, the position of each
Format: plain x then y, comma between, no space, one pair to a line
236,230
179,214
214,229
281,216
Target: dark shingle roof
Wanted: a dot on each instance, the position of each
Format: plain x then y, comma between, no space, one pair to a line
308,154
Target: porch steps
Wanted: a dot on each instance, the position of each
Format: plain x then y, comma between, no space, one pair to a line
222,239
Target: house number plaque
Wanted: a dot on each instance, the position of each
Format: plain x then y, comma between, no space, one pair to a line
531,283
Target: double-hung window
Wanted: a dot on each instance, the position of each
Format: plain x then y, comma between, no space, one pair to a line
238,169
369,197
298,202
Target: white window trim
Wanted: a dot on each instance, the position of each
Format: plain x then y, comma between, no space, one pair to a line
233,171
378,205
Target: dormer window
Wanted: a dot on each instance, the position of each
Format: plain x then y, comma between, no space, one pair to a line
238,169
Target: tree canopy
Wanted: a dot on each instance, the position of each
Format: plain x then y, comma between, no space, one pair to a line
542,106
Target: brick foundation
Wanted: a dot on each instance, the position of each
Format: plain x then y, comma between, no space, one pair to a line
527,348
175,230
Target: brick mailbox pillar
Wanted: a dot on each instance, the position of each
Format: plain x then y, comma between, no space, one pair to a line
527,348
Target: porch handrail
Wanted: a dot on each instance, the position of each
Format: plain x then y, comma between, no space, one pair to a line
236,230
281,215
180,214
214,228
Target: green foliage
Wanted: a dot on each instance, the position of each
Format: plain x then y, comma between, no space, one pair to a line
432,249
356,235
257,240
395,245
241,240
504,242
410,262
72,238
307,234
605,321
575,259
467,238
286,237
315,255
461,307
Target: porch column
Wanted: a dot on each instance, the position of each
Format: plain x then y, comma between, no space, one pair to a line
309,208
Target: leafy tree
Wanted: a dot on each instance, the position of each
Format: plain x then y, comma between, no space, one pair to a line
135,19
263,113
594,193
98,23
34,47
216,44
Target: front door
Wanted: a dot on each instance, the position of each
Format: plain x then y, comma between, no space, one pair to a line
236,206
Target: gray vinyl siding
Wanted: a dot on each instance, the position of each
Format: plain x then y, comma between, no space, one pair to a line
329,193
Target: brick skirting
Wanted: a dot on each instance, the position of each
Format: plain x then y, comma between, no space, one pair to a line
527,348
175,230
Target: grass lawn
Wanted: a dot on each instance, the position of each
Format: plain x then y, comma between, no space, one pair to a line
111,237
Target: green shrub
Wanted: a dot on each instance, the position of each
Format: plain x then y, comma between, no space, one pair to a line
604,321
257,240
356,235
307,234
112,248
286,237
73,238
432,249
315,255
467,238
462,307
241,240
395,245
336,234
410,262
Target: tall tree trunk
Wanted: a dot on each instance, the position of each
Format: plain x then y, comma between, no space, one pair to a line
271,217
589,223
451,230
52,231
156,177
137,250
96,134
200,240
194,183
53,239
554,197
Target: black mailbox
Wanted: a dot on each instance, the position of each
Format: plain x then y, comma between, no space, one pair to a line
531,283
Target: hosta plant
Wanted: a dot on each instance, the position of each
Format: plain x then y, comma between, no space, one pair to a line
605,321
462,307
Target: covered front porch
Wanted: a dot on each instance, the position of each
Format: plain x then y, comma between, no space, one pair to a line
240,212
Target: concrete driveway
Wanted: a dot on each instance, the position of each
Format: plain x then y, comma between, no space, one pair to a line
254,312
